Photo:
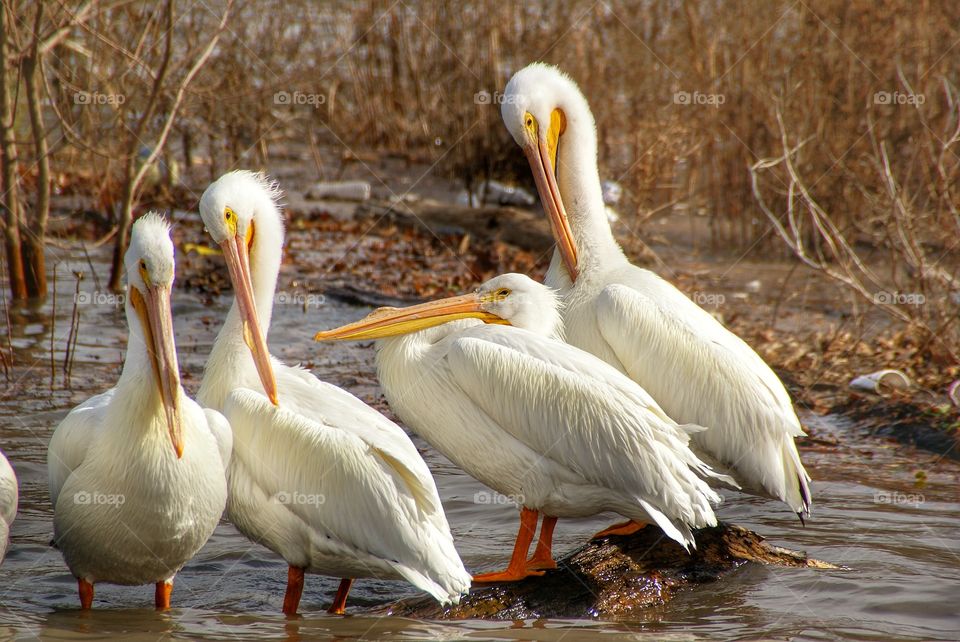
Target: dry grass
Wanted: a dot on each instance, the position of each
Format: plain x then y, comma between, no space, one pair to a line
823,127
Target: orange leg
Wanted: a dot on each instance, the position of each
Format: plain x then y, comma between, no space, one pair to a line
86,593
517,569
628,527
291,600
340,601
161,597
543,555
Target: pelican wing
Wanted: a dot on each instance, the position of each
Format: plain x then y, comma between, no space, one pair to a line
222,433
670,323
302,393
575,360
581,421
68,446
340,488
704,374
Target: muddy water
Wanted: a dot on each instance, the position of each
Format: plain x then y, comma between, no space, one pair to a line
897,539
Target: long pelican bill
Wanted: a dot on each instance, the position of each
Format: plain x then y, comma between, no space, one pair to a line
390,322
153,308
238,263
542,156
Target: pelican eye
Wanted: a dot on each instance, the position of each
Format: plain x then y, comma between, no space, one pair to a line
530,123
144,273
503,293
231,218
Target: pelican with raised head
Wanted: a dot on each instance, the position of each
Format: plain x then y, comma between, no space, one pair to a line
138,473
532,417
697,370
318,477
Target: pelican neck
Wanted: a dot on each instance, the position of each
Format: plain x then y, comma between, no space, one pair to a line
578,179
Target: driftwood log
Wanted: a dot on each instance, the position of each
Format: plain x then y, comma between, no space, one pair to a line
614,577
517,226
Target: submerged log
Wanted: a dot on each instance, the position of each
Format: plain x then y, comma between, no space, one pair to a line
514,225
614,577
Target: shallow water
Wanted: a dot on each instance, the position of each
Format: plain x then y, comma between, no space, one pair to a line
897,539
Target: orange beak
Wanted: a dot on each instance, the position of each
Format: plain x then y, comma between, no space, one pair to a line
544,175
391,322
157,320
238,263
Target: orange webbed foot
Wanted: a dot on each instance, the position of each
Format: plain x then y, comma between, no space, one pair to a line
508,575
622,529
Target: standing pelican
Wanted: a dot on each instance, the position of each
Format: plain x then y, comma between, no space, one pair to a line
533,418
695,368
137,473
8,502
317,476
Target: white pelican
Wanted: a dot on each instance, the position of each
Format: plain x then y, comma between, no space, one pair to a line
8,502
138,473
697,370
323,480
537,420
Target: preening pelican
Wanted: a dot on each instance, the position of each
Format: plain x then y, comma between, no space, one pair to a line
138,473
8,502
697,370
538,420
318,477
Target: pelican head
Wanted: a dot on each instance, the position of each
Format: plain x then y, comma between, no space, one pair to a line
523,303
150,270
228,208
508,299
541,107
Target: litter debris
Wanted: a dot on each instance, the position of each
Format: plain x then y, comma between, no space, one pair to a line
159,172
880,381
340,191
612,192
954,393
497,193
202,250
408,197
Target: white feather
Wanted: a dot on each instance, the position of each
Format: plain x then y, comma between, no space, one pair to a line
9,492
330,513
696,369
126,509
543,422
381,515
